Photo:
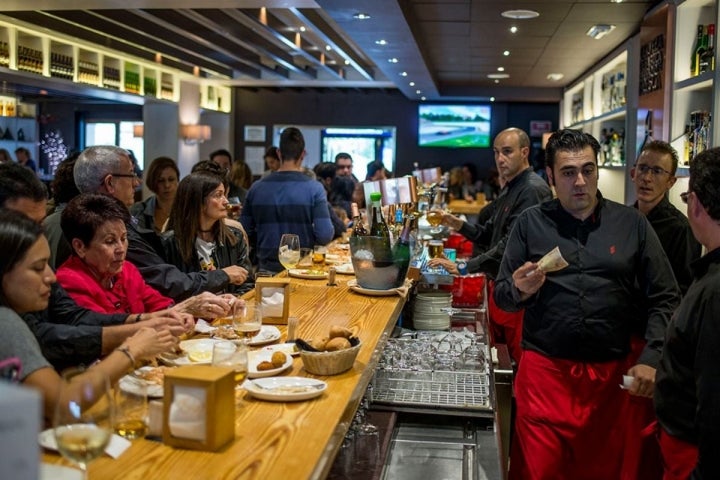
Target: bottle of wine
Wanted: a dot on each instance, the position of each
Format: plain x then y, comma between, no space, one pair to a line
359,229
378,227
707,59
694,54
401,253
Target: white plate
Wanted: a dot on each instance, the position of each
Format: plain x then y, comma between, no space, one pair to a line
369,291
50,471
258,356
287,348
307,274
291,389
197,351
345,269
268,334
134,385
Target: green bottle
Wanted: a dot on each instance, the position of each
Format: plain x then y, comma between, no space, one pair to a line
378,227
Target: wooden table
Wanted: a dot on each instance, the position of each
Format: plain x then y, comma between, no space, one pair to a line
295,440
466,208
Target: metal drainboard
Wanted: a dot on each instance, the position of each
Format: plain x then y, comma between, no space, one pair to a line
456,389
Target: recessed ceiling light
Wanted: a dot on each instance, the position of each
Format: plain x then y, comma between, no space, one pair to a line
302,29
501,69
328,47
492,99
381,42
616,1
554,77
347,62
412,84
520,14
506,53
423,98
393,60
497,81
361,16
513,29
599,31
498,75
418,92
403,74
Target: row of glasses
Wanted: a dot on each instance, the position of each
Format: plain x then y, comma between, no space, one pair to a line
291,255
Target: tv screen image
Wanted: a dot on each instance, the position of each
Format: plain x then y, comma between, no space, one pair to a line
457,126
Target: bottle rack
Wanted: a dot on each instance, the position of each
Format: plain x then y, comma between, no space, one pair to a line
25,49
18,126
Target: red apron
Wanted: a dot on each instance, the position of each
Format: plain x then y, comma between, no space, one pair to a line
505,327
679,457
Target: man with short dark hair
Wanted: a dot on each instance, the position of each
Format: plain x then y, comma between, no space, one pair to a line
223,158
286,201
653,175
687,394
579,320
23,158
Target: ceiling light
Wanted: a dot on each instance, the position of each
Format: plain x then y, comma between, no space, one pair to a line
492,99
393,60
403,74
381,42
616,1
412,84
498,75
328,47
501,69
506,53
599,31
361,16
554,77
302,29
418,92
520,14
423,98
513,29
347,62
497,81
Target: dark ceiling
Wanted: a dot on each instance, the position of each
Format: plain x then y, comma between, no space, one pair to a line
445,49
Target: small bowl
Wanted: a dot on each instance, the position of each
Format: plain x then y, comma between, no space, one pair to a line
329,363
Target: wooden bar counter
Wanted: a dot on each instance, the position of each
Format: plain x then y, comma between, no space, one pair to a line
466,208
295,440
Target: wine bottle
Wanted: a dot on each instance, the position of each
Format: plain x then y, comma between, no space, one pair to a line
693,54
359,229
707,59
378,227
401,253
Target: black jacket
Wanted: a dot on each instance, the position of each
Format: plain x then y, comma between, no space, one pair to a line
523,191
225,255
618,278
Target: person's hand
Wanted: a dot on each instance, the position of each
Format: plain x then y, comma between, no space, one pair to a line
643,384
177,323
444,262
450,220
237,274
207,305
528,279
148,342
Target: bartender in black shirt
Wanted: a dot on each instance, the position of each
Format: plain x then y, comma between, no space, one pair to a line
579,321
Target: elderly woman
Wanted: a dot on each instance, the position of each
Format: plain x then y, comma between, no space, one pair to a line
162,179
96,275
198,237
25,281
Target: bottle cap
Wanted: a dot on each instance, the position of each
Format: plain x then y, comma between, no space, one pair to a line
375,196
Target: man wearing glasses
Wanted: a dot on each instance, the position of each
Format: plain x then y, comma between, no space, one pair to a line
687,393
653,176
571,415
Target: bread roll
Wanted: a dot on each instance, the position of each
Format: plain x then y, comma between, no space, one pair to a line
338,331
337,343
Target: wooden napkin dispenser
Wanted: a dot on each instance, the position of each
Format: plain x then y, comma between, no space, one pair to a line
199,407
273,294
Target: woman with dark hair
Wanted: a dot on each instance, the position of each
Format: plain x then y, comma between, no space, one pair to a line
198,237
97,276
341,192
162,179
25,282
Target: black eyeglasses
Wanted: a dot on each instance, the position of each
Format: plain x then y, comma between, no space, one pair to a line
125,175
684,196
656,171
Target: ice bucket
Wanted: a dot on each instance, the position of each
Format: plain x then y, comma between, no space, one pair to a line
378,266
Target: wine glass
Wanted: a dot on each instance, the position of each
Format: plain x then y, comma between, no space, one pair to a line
289,250
434,217
247,320
84,416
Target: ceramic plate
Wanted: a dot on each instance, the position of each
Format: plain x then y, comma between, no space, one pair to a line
258,356
345,268
287,348
50,471
197,351
285,389
134,383
307,274
267,334
369,291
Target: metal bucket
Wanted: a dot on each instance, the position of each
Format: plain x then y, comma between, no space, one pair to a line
377,265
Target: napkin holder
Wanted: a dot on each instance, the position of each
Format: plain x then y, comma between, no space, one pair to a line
216,385
263,287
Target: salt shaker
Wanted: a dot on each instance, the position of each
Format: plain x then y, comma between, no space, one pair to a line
331,276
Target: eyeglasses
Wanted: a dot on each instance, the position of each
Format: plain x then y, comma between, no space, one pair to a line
684,196
656,171
126,175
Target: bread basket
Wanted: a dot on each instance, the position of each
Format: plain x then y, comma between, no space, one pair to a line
329,363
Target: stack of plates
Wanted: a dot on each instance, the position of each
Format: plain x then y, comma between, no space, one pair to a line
428,311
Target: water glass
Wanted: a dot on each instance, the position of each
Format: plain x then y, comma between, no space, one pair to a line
131,414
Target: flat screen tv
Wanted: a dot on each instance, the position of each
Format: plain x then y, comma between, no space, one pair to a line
459,126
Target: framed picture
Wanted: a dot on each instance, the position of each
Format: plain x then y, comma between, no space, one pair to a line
254,133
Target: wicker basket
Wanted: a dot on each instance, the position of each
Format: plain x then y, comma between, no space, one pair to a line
329,363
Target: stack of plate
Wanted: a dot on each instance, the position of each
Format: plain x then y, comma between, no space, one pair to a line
430,311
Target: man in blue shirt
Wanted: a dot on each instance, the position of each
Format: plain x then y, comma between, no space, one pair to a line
286,201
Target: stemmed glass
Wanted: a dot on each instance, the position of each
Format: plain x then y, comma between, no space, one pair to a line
247,320
289,250
84,416
434,217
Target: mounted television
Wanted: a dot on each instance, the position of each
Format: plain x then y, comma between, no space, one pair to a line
458,126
